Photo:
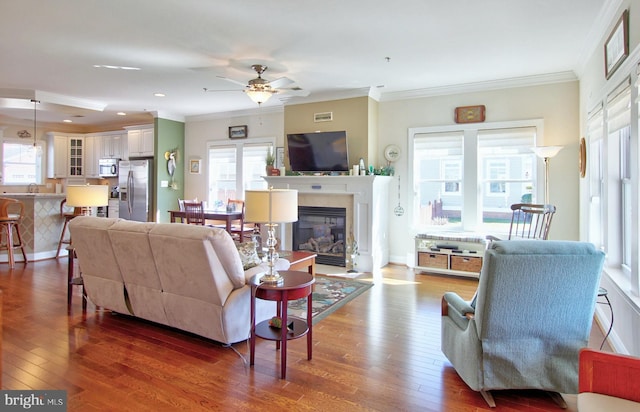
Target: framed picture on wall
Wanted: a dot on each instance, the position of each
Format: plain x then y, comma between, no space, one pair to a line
616,48
237,132
194,166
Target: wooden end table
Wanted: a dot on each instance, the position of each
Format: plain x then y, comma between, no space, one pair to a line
296,285
301,261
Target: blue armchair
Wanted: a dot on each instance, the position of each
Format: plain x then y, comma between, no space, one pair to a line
530,317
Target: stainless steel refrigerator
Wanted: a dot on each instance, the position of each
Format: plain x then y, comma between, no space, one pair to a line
135,180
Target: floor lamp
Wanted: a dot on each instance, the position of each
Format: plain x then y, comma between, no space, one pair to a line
271,207
546,153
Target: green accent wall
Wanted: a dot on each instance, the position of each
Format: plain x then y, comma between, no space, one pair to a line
168,135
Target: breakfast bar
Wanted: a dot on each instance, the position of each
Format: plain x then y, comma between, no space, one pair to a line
41,225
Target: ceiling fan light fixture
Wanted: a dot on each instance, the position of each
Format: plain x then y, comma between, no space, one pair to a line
259,94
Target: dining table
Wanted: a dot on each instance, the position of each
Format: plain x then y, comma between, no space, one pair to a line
228,217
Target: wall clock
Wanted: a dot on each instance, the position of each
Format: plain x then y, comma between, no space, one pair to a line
392,153
582,159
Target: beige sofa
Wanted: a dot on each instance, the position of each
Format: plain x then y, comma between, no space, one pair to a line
184,276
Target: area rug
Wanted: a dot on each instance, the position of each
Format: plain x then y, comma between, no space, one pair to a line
329,294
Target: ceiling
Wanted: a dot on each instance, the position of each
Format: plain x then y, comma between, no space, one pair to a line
331,49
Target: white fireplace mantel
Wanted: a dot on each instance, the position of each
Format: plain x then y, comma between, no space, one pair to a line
370,204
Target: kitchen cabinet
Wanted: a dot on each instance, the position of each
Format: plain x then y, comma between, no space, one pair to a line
114,146
114,208
140,142
56,156
76,156
92,156
65,156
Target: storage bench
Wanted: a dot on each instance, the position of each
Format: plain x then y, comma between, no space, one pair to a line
455,253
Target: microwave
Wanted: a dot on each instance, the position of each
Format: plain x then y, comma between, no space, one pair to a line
108,167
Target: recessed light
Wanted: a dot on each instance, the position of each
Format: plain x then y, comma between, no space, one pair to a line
121,114
67,121
110,66
159,94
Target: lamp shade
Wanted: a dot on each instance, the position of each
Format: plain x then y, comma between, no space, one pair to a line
259,95
546,151
271,206
88,195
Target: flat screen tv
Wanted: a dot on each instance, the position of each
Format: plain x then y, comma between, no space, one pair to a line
318,152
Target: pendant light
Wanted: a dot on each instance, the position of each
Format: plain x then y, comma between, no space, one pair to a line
35,120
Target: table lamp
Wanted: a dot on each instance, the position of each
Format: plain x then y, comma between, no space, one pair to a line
546,153
83,198
271,207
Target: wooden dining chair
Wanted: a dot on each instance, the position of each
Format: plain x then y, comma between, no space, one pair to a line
194,212
239,228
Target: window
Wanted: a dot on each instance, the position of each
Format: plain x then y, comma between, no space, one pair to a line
618,245
21,163
467,178
452,174
235,167
508,166
497,173
595,137
437,172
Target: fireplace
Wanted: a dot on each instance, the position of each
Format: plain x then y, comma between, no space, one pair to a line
366,200
321,230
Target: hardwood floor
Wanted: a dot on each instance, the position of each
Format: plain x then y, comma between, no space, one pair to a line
379,352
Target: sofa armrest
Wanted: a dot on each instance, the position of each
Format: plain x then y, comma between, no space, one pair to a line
460,306
280,264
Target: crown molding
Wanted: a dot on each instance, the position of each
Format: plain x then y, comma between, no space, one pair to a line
236,113
537,80
599,31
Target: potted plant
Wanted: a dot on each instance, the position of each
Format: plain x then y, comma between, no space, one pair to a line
270,161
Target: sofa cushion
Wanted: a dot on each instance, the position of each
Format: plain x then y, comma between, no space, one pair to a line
130,242
248,255
228,254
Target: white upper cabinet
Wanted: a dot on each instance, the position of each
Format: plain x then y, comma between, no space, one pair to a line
92,156
65,156
56,156
114,146
140,142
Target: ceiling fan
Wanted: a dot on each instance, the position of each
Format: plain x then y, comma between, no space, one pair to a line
260,90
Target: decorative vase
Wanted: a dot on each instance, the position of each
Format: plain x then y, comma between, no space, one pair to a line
269,170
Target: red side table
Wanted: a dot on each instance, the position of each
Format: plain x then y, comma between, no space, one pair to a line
296,285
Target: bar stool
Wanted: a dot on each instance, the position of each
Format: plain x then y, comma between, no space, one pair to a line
9,222
67,216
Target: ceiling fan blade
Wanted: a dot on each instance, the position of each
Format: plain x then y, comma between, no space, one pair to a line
281,82
232,81
294,92
219,90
